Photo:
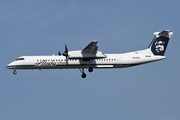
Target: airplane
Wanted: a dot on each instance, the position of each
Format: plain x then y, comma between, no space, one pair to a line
91,58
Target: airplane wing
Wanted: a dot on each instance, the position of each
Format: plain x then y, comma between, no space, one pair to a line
89,52
91,48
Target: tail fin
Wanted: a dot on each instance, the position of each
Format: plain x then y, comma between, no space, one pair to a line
160,42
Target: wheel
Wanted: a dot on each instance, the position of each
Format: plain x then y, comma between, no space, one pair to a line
83,75
14,72
90,69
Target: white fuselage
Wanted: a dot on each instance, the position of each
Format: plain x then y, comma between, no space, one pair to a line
60,62
90,58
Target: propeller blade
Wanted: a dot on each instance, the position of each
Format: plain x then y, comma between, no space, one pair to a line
59,53
66,51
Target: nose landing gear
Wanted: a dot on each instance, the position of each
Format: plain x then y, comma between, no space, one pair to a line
14,72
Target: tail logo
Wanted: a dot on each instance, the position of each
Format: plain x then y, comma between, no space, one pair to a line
159,46
159,43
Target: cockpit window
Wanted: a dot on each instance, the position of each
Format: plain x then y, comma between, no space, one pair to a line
19,59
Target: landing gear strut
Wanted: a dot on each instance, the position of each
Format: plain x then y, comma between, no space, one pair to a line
83,74
14,72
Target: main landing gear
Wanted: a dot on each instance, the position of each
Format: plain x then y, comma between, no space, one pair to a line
83,74
90,69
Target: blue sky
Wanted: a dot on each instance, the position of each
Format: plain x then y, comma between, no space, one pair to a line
41,27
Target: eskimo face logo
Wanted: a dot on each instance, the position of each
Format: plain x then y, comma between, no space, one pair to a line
159,46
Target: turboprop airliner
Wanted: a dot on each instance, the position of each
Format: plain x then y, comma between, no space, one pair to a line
91,58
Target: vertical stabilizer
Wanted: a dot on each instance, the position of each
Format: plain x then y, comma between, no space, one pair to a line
160,42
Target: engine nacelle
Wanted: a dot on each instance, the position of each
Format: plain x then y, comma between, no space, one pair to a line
80,55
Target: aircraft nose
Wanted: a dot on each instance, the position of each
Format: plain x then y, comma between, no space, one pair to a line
10,66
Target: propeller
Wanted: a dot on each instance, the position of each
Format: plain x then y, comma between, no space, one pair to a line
59,53
65,52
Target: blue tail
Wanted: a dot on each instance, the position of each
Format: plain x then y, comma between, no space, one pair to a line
159,43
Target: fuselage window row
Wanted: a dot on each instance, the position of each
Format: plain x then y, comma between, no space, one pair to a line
72,60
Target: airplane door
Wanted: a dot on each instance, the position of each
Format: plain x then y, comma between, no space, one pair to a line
31,60
118,60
